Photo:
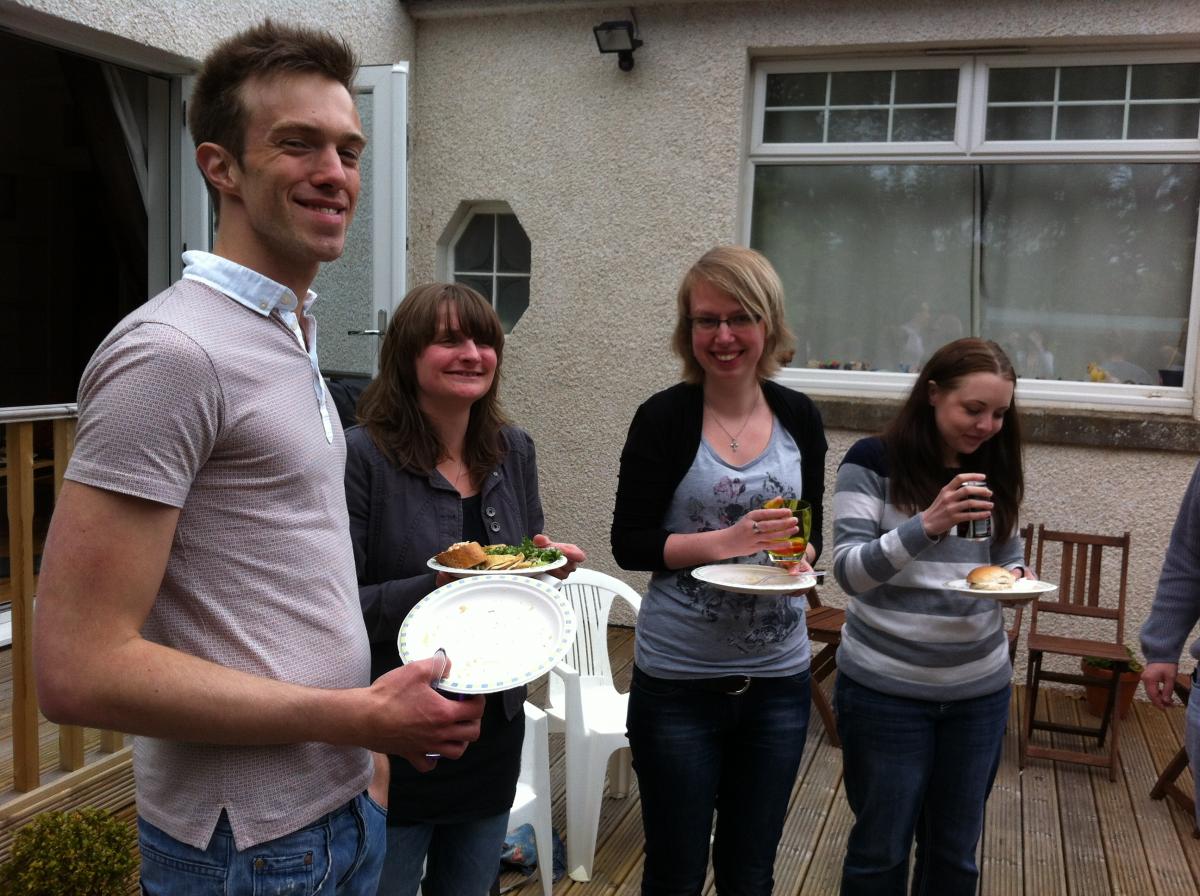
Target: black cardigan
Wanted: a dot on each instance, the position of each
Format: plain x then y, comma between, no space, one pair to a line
662,443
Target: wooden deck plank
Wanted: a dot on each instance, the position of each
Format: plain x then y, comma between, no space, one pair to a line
1173,855
1121,840
1041,832
1083,852
1001,862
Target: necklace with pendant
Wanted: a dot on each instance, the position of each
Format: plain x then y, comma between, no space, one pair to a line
733,437
461,469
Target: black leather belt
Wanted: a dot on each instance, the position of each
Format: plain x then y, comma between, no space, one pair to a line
728,684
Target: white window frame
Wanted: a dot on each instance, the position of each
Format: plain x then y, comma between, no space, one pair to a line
970,147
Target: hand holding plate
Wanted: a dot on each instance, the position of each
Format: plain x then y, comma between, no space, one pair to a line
574,554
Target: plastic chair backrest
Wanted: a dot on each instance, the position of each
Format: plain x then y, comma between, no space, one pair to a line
591,595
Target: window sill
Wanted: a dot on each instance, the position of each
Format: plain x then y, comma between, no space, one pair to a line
1089,429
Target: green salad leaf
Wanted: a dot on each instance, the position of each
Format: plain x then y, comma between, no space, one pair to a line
528,548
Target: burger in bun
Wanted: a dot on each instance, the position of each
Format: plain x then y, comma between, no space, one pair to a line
462,555
990,578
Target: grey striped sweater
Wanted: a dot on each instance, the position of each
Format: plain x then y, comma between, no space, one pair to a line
905,634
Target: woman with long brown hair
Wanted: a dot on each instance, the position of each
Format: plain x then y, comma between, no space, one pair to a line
923,672
434,462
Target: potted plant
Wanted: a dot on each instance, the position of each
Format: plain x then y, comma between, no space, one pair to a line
77,851
1097,695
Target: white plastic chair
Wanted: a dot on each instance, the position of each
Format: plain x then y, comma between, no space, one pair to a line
534,796
585,704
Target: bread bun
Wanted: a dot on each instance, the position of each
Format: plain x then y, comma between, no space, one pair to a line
463,555
990,578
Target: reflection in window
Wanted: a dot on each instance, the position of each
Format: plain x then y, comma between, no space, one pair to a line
1082,271
493,255
903,106
1095,102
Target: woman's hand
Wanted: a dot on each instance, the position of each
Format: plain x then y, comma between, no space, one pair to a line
759,530
574,554
961,500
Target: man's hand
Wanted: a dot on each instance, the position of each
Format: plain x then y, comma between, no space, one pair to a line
1159,679
574,554
411,719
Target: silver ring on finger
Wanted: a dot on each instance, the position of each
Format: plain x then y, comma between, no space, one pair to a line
754,526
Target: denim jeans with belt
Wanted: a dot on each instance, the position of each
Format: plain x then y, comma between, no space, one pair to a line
340,853
916,768
729,745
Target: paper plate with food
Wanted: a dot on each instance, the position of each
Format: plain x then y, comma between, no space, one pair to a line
998,583
470,558
752,578
499,632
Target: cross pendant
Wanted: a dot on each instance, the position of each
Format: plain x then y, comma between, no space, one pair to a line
733,445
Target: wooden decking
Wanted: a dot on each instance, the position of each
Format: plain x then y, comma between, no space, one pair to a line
1052,829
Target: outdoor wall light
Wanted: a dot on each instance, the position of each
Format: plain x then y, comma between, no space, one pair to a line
619,38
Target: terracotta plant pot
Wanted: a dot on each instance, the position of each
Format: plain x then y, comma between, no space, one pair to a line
1097,695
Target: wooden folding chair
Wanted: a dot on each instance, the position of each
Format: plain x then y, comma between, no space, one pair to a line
824,628
1014,633
1080,596
1165,785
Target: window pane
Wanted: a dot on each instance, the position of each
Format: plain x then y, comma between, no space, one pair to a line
1092,82
1017,85
1090,122
796,89
1096,260
875,259
793,127
512,300
914,125
860,88
473,251
858,126
1166,122
514,246
1019,123
482,285
1166,82
928,86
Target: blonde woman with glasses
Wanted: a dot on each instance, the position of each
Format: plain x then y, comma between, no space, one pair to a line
719,705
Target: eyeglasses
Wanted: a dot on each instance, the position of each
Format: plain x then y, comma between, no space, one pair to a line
738,322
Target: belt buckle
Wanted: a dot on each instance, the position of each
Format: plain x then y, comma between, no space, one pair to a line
745,685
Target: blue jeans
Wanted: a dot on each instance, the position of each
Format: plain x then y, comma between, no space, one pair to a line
461,859
915,767
696,751
340,853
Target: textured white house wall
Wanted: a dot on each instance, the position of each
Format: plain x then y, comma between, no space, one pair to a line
380,30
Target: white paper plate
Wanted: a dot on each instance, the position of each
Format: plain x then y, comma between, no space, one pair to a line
1022,591
529,571
499,631
752,578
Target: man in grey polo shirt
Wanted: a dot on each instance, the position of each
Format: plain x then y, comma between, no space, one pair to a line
198,585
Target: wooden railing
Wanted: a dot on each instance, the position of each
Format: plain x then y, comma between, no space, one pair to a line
22,472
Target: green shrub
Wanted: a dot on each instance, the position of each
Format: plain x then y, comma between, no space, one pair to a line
84,851
1135,666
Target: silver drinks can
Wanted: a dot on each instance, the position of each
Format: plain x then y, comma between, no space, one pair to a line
976,530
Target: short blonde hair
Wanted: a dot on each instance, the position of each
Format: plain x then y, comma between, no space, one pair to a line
748,277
